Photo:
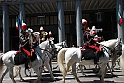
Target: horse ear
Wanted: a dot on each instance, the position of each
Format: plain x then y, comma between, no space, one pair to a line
51,38
120,39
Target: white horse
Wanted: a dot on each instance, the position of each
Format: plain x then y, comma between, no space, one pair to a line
61,45
8,60
111,44
48,56
114,46
122,59
74,55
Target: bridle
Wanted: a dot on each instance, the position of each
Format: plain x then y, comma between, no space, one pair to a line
64,45
115,49
52,52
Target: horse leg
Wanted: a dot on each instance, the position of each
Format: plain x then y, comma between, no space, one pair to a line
4,73
113,62
11,74
38,71
64,72
28,71
118,61
55,67
74,72
102,72
16,71
21,79
81,68
110,69
50,63
49,69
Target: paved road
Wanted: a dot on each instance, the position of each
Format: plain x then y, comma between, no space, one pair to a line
90,77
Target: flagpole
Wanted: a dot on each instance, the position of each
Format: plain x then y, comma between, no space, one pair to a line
20,25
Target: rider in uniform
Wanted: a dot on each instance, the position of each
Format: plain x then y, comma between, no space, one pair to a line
49,35
42,34
93,44
91,40
36,39
26,44
86,34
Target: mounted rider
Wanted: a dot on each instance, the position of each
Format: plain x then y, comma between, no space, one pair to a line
86,31
26,44
91,40
49,35
43,34
86,34
36,39
94,44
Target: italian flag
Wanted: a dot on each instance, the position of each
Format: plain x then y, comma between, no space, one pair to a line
17,27
120,18
24,26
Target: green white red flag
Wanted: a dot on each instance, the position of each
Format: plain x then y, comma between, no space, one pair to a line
17,27
24,26
120,18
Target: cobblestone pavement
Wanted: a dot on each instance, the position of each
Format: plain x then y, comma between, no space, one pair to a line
91,77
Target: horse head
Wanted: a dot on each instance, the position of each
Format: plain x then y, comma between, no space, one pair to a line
64,44
52,48
114,45
118,47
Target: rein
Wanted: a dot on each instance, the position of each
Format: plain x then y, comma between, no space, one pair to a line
112,50
106,50
46,50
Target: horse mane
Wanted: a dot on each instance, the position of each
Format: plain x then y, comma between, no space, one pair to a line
59,44
41,45
110,43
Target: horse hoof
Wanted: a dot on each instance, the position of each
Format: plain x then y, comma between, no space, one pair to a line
42,79
84,75
63,81
79,81
119,67
54,80
114,75
29,75
22,80
26,75
54,67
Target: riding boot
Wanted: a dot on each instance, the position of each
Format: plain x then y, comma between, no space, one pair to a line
26,64
96,57
30,63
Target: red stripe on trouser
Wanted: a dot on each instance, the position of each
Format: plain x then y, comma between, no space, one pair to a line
27,52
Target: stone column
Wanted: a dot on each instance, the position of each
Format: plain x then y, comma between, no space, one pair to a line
6,35
78,22
61,27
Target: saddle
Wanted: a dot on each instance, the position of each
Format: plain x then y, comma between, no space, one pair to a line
22,58
88,53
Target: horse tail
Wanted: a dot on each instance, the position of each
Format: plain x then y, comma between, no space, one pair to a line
122,59
60,60
1,64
